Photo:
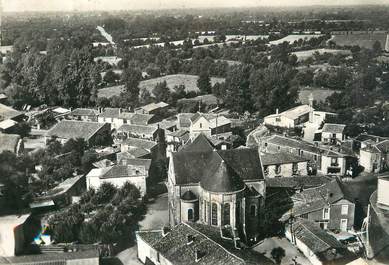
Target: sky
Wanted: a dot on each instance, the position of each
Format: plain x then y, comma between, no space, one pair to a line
89,5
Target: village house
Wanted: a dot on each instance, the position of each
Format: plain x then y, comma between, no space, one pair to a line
217,188
283,165
334,160
176,139
9,117
191,244
326,205
83,114
146,132
153,108
114,116
374,157
332,133
64,194
93,133
289,118
12,143
134,171
317,245
13,230
87,257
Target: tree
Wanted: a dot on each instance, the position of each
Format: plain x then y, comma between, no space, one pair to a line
273,87
237,96
377,49
278,254
22,128
161,92
173,66
110,77
131,78
204,83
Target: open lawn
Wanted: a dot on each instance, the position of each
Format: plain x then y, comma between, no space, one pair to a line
363,40
294,37
189,81
319,94
303,55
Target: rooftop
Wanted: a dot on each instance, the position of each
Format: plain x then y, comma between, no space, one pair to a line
7,112
333,128
67,129
173,246
293,113
284,141
141,119
139,143
154,106
9,142
84,112
138,129
281,158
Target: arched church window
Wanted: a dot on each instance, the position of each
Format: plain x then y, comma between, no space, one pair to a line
190,215
226,214
214,214
253,210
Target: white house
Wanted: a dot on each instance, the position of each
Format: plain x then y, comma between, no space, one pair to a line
332,133
135,171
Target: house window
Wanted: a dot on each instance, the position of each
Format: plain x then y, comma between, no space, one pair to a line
237,211
277,169
326,213
344,209
305,216
226,214
278,148
343,224
190,215
334,161
201,125
315,157
323,225
266,170
265,144
214,214
295,168
301,153
253,210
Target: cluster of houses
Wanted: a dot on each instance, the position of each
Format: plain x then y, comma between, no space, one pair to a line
218,194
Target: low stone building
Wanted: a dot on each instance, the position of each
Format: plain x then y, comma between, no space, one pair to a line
317,245
332,133
93,133
84,114
283,165
374,157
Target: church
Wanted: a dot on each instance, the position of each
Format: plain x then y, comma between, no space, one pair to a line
223,189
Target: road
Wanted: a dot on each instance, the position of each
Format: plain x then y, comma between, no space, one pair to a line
155,218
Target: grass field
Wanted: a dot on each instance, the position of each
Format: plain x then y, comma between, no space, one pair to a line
363,40
293,37
303,55
190,82
319,94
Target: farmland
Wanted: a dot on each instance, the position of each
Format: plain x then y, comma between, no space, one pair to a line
365,40
303,55
294,37
189,81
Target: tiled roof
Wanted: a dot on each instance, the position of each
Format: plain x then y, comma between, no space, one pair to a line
84,112
316,198
139,143
63,187
178,133
318,241
6,124
383,146
173,246
184,119
297,182
67,129
281,158
135,162
9,142
190,164
141,119
118,171
138,129
54,258
154,106
293,113
333,128
8,112
284,141
200,144
219,121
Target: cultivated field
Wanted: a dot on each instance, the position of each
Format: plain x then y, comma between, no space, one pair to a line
303,55
190,82
319,94
363,40
294,37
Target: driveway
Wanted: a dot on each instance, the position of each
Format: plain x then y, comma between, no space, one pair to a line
291,252
155,218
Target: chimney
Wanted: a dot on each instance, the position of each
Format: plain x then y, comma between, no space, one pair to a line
165,230
120,111
276,110
190,239
198,255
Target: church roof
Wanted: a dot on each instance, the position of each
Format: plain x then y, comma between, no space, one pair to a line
200,144
188,196
217,171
